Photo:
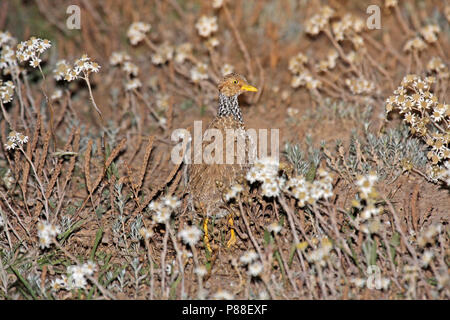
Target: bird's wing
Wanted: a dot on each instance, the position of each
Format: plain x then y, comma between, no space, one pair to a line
209,179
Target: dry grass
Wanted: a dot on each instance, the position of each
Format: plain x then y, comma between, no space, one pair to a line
97,161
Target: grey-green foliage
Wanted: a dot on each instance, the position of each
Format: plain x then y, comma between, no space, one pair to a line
304,163
120,277
137,274
385,153
66,223
34,279
135,227
398,144
332,109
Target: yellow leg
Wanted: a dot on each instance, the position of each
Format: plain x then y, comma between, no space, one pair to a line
206,236
232,240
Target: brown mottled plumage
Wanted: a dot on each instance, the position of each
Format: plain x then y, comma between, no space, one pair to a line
207,182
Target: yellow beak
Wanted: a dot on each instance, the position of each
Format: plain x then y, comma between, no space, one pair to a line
248,87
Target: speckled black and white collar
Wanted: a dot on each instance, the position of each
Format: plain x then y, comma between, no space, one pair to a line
229,106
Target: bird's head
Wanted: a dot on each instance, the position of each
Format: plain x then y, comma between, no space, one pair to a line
234,84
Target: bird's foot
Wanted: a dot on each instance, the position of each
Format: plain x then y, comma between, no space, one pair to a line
206,234
233,239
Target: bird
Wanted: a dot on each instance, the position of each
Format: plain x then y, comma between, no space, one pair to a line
207,181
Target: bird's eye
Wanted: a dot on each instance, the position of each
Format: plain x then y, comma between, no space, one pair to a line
235,81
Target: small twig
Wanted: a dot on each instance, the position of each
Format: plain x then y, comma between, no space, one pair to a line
199,276
41,186
178,254
286,266
163,263
15,213
5,114
258,248
402,21
152,111
151,262
296,239
86,78
241,44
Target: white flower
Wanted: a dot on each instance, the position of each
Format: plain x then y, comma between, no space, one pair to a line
6,91
199,72
34,62
2,222
274,227
162,121
94,67
118,58
190,235
21,138
133,84
46,233
10,145
270,190
230,195
359,282
366,185
252,175
226,69
297,63
77,278
201,271
382,283
31,50
255,269
359,86
182,52
89,267
370,211
6,38
164,54
136,32
265,170
430,33
237,188
233,192
155,205
206,26
186,254
427,257
292,112
59,284
83,65
163,215
171,202
56,95
130,68
415,44
162,101
248,257
212,42
7,58
320,254
217,4
223,295
319,21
